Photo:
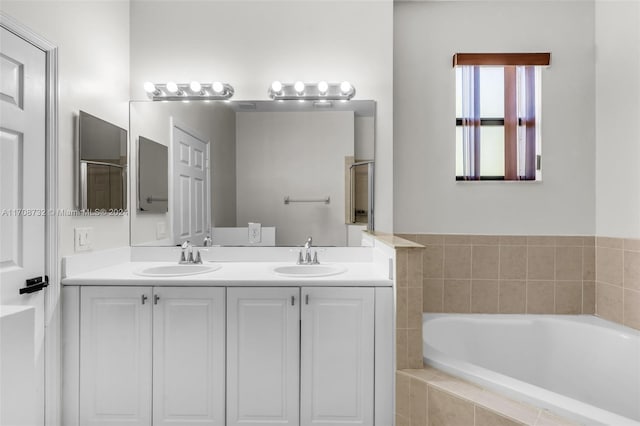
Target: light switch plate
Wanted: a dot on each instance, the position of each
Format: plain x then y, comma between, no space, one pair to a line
255,233
83,239
161,230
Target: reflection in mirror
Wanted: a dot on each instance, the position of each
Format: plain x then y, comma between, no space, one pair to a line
153,176
103,164
257,172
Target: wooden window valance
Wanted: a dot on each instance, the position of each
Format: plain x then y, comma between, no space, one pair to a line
502,59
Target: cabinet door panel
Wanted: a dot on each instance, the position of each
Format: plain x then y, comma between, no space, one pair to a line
115,354
188,356
337,356
263,356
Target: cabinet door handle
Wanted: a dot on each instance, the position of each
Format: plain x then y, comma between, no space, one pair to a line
155,299
306,299
293,300
144,298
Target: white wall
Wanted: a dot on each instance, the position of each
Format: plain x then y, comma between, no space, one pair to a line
213,121
427,197
618,118
93,42
251,43
296,154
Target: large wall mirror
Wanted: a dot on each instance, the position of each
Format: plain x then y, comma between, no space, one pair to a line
251,173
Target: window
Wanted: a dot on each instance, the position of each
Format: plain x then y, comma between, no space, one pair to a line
498,116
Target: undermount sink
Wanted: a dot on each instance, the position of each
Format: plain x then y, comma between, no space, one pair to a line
176,270
309,270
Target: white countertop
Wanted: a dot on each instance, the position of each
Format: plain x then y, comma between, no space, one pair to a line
248,274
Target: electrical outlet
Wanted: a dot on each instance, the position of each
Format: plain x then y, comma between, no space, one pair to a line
255,233
83,239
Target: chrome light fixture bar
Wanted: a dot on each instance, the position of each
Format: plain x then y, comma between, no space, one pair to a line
171,91
312,91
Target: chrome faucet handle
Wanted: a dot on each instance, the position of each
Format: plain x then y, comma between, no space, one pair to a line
187,253
208,242
198,257
300,259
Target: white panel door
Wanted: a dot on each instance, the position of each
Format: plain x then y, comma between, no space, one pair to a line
337,356
22,204
115,356
190,187
189,356
263,349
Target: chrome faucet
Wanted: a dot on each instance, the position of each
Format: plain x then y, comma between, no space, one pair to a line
306,258
208,242
186,256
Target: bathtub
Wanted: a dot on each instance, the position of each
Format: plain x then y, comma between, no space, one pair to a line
581,367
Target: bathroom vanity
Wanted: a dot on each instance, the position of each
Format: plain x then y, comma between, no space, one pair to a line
254,339
248,336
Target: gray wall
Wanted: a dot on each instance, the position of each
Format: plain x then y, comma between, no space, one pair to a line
427,197
618,119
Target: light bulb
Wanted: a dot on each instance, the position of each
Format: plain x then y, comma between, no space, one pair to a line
345,87
276,86
195,86
217,87
149,87
323,86
172,87
299,87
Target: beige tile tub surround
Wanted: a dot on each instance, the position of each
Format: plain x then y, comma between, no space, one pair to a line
429,397
508,274
618,280
409,298
409,301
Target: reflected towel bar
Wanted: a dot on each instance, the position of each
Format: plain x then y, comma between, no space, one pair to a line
152,199
325,200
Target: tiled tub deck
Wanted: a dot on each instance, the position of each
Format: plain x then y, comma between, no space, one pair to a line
429,397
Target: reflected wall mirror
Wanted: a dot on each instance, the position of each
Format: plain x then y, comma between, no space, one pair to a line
102,154
153,176
282,170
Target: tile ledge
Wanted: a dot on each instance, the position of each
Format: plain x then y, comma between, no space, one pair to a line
393,241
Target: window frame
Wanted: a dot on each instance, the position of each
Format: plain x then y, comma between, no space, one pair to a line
518,119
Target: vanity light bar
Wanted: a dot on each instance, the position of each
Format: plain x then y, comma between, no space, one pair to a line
171,91
311,91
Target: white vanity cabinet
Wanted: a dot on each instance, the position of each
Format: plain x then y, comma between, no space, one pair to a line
263,355
144,344
188,356
115,356
337,356
300,356
236,355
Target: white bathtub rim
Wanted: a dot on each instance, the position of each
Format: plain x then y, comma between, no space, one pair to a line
593,320
522,391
